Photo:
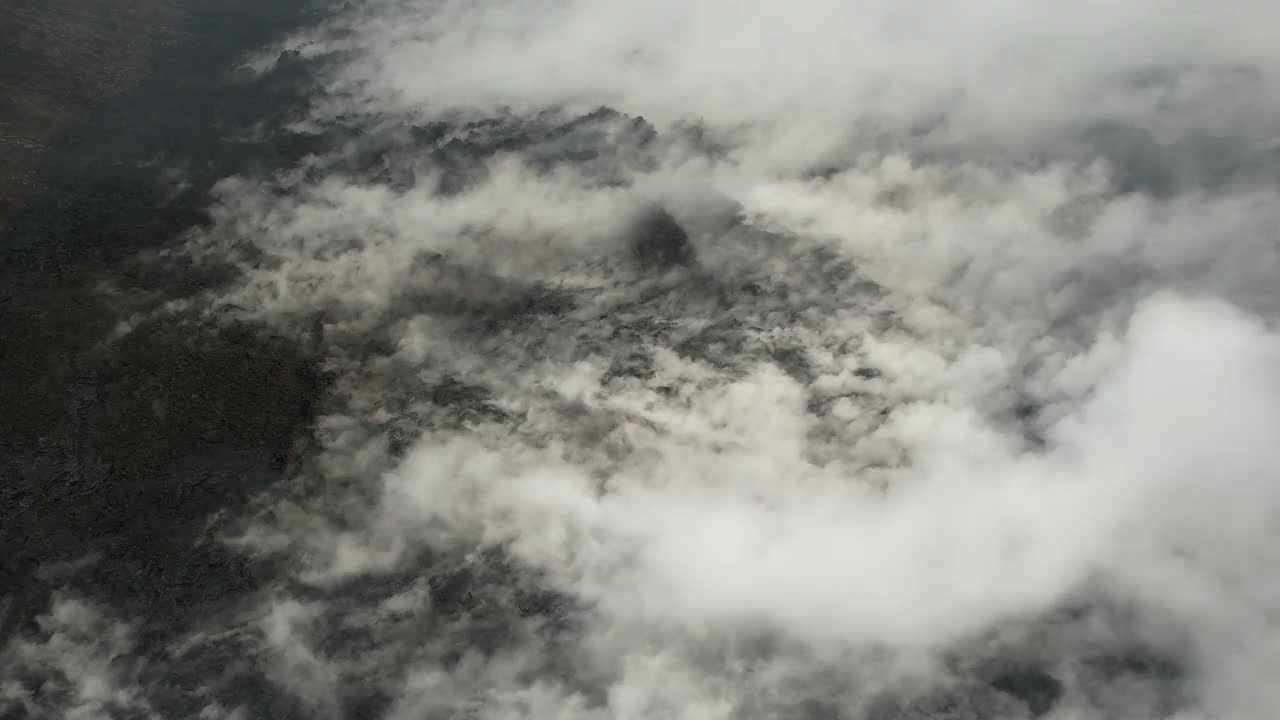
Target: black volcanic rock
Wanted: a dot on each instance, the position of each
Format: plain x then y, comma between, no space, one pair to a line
1036,688
658,242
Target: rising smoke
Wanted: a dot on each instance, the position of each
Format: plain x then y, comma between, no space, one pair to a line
954,393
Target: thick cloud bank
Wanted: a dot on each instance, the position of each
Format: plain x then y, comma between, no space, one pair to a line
711,359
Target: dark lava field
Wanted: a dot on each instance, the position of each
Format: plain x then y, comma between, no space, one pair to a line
679,360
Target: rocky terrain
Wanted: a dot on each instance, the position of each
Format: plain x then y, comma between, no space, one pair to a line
390,360
111,133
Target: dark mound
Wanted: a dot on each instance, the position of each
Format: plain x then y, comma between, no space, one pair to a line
658,242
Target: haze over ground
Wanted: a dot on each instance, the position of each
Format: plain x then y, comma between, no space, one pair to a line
705,359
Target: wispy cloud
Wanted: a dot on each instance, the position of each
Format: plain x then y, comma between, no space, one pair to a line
977,332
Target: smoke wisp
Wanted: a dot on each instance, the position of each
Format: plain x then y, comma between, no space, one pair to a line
725,360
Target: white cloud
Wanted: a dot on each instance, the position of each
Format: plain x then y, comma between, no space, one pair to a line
83,660
963,359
